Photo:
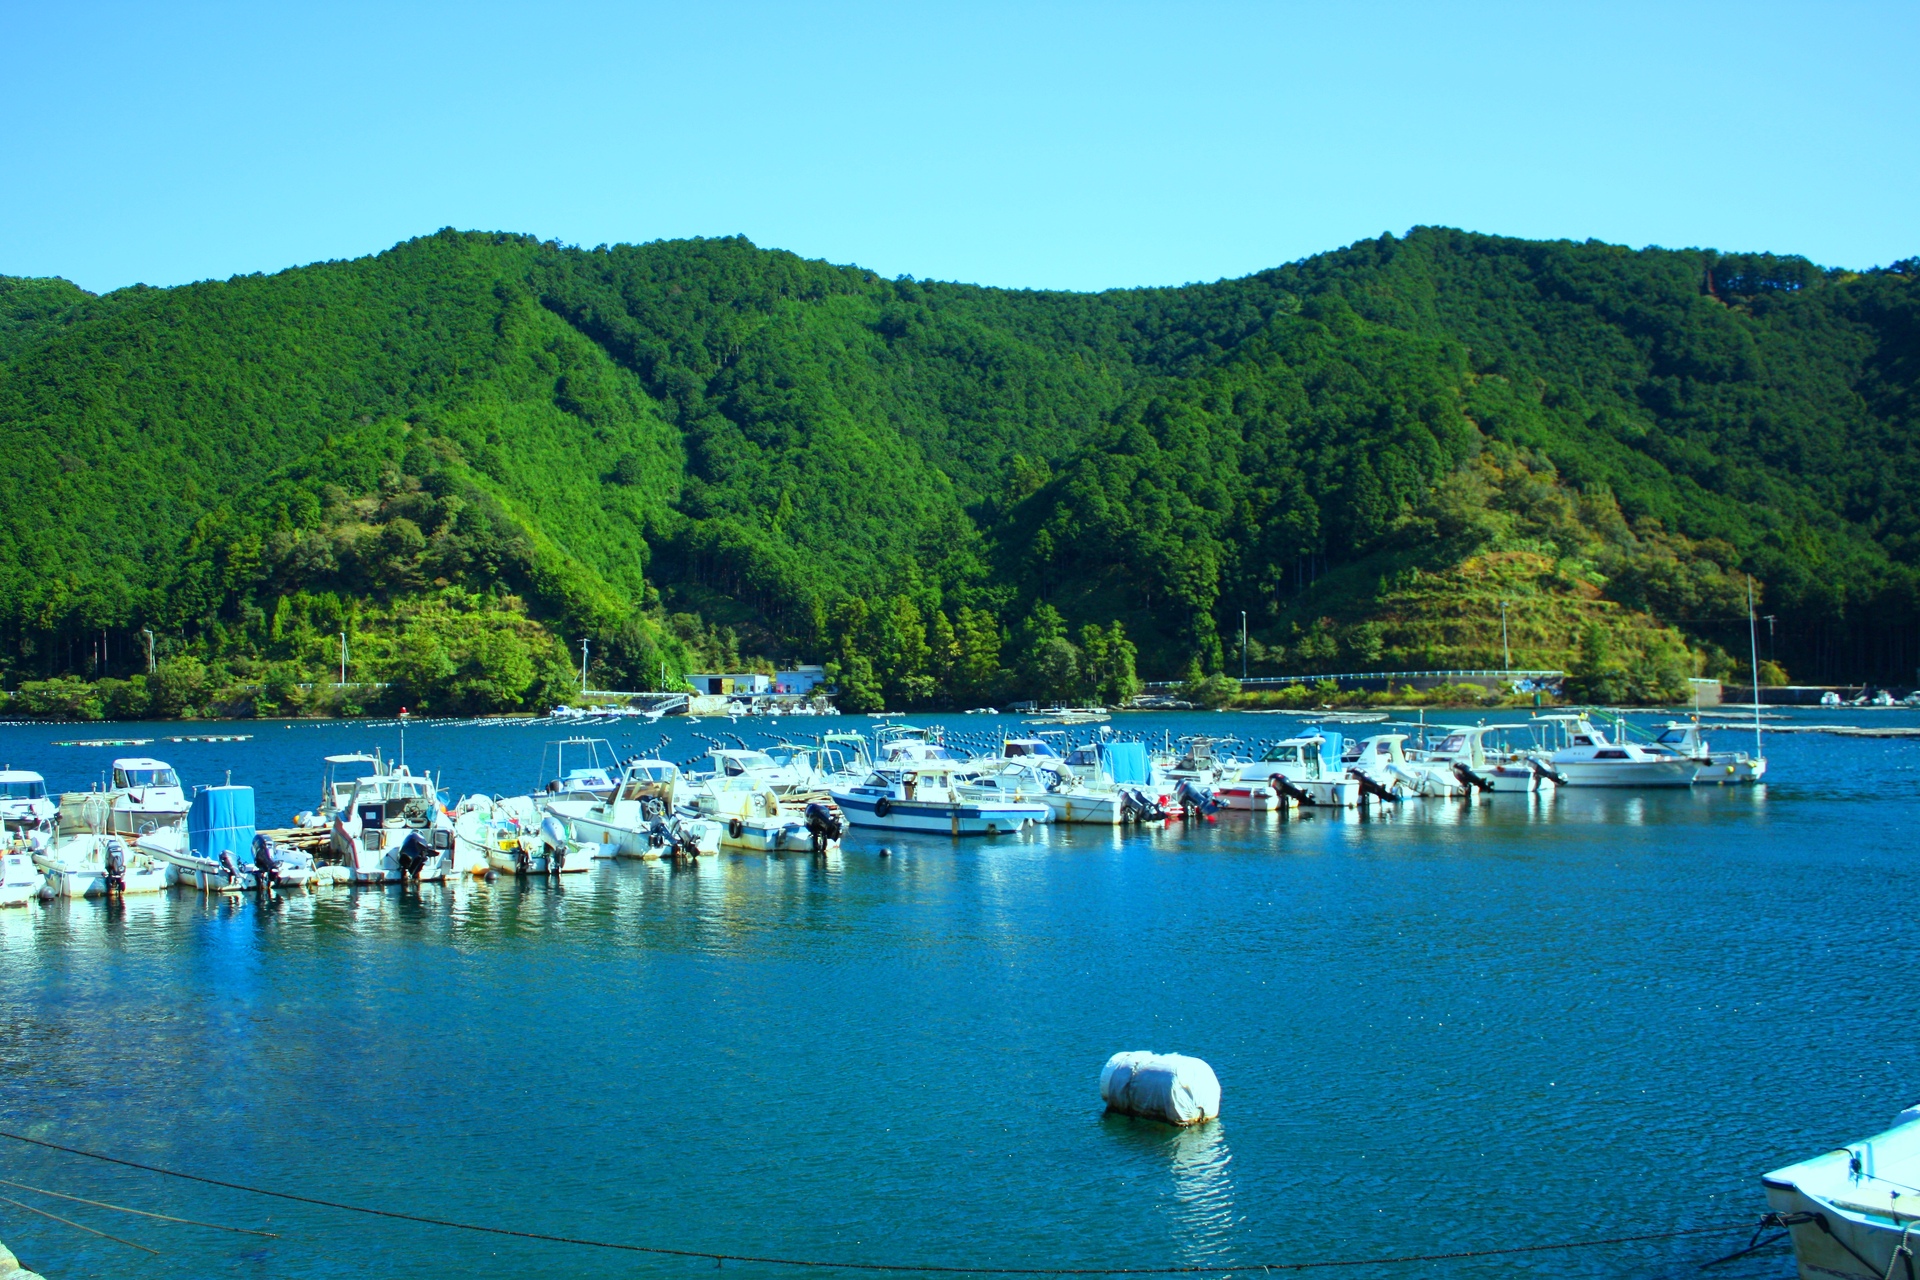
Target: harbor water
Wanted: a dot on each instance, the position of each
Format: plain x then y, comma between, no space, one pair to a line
1449,1028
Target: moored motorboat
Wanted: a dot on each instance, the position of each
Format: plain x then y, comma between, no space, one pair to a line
1581,755
1854,1212
1305,769
1474,755
1684,739
147,796
84,860
515,837
392,828
924,795
219,850
641,820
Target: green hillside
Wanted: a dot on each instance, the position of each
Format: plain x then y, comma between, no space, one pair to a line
474,451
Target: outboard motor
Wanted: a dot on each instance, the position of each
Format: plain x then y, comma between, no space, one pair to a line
1281,784
1138,806
684,849
824,826
229,868
413,856
1193,799
1368,787
659,834
116,867
1471,780
265,866
554,835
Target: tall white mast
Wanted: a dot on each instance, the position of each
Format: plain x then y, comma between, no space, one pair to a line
1753,648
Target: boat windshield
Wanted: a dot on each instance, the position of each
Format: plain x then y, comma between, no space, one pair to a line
1285,753
1674,737
161,777
1452,742
661,772
23,790
740,762
1031,749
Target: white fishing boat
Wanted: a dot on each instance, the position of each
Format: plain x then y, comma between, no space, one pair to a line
1854,1212
1684,739
24,804
1581,755
641,819
591,774
1017,781
219,850
20,879
392,828
1305,769
752,816
1386,770
1474,754
924,795
516,837
85,860
147,796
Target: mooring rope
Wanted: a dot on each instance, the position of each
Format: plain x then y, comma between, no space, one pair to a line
78,1226
827,1265
143,1213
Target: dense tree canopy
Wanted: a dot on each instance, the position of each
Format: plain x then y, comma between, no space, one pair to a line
489,447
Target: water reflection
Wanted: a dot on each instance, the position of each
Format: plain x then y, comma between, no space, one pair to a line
1192,1181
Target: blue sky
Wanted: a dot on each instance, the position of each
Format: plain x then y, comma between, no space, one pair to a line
1040,145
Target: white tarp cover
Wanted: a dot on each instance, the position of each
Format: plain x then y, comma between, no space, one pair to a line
1161,1086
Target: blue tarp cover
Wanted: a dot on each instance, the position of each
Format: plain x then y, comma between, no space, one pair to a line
221,821
1126,763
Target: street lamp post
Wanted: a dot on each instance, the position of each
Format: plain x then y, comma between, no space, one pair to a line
1506,654
149,635
1243,644
343,658
583,666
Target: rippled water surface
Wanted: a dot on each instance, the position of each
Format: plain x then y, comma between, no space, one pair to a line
1453,1028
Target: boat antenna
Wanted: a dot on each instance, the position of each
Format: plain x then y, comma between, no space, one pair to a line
1753,649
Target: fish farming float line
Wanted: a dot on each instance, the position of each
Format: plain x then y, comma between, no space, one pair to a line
824,1265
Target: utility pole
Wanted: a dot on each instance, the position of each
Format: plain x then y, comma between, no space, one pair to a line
149,635
583,665
1243,644
1506,654
1770,651
343,657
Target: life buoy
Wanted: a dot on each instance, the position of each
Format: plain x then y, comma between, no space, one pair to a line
882,807
735,827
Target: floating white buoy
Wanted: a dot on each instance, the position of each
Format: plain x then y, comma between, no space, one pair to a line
1160,1086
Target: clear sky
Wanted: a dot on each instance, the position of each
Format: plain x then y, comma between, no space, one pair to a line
1046,145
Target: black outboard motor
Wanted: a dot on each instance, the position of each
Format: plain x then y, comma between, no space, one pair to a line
1368,787
266,867
824,826
1138,806
659,834
1192,799
229,868
116,867
1471,780
413,856
684,849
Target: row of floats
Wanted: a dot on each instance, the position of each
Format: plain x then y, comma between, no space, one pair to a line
380,822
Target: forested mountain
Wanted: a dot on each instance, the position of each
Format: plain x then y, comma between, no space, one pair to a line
473,451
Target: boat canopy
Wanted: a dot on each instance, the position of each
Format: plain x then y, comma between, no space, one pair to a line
220,820
1126,763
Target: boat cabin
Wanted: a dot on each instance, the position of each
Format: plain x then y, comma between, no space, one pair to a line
594,768
136,773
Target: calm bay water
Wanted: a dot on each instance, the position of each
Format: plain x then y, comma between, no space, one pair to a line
1456,1027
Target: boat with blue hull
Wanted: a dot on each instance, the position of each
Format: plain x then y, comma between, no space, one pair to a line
927,795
